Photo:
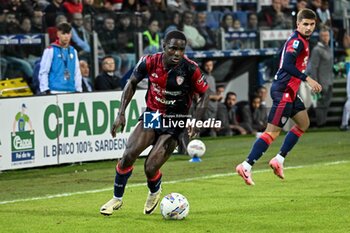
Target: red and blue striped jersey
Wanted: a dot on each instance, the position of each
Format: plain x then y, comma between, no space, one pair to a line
293,63
170,91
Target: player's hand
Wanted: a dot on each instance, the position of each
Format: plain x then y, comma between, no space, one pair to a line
118,122
193,132
315,86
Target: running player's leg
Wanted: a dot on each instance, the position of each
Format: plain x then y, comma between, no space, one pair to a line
302,122
278,116
159,154
138,141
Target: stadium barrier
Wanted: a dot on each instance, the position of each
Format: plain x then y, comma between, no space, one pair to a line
57,129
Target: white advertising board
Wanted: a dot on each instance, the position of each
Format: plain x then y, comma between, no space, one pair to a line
47,130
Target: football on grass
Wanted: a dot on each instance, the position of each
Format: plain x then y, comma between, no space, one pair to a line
196,148
174,206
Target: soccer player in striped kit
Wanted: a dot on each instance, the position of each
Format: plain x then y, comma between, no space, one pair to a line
173,81
286,103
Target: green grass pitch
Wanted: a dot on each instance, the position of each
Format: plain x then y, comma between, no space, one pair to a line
314,197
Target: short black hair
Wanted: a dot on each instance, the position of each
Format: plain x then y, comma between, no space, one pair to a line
64,27
175,35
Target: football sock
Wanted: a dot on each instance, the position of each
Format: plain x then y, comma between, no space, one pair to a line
155,182
247,166
121,178
290,140
259,148
279,158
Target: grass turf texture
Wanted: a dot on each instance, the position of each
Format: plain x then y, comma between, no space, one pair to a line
314,197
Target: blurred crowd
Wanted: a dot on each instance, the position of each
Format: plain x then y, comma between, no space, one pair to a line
116,23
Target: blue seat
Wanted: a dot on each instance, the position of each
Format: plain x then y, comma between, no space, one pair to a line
242,16
214,19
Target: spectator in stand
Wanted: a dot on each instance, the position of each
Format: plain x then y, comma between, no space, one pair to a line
80,36
15,54
126,42
180,5
59,67
37,21
205,31
158,11
19,8
346,109
52,31
220,90
107,80
151,38
88,28
252,24
314,4
237,26
108,37
130,6
72,6
54,9
227,114
87,85
227,25
89,8
194,39
321,69
273,17
301,4
262,93
174,21
324,15
31,53
254,116
214,98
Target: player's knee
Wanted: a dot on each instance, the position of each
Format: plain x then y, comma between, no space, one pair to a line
305,125
150,171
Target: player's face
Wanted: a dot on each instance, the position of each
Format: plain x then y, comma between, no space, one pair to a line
174,51
306,27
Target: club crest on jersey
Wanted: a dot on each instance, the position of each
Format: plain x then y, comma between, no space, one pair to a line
295,44
179,80
154,75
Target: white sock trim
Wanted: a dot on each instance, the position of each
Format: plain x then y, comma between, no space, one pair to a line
280,158
247,166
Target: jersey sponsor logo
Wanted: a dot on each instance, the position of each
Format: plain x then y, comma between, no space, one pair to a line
162,91
179,80
164,101
154,75
295,44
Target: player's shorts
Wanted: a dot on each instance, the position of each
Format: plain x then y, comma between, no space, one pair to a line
282,108
174,132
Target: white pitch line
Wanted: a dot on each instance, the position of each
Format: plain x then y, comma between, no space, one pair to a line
165,182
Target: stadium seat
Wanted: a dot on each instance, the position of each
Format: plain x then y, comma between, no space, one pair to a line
242,17
214,19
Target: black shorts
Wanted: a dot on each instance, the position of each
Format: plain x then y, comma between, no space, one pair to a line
175,132
282,108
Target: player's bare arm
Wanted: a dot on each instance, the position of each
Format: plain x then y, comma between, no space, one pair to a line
200,110
315,86
128,93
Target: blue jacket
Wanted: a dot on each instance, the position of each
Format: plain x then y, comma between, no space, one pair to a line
54,62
